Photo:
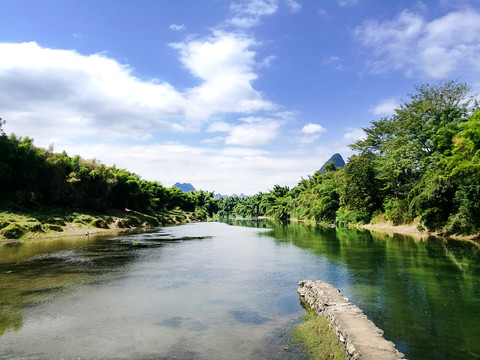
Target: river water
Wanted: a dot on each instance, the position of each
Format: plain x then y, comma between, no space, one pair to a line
216,291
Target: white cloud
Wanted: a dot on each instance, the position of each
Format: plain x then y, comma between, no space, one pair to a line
255,7
214,140
219,126
247,14
253,132
225,62
227,171
177,27
293,5
354,134
244,22
51,94
437,49
313,129
79,35
60,93
267,62
385,107
311,132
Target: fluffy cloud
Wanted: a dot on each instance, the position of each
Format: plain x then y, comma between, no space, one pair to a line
252,132
311,132
225,63
248,13
437,49
385,107
60,93
177,27
313,129
51,94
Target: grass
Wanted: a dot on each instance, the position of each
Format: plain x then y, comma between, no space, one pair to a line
18,222
321,342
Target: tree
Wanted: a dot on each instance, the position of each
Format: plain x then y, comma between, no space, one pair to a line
361,189
409,147
2,122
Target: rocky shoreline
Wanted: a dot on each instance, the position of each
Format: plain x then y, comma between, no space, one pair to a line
362,338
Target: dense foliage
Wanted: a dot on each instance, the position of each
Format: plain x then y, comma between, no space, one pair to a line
30,175
421,163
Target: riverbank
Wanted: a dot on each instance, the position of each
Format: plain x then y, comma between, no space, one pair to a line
413,230
38,223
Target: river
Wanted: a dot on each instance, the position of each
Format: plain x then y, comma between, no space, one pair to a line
216,291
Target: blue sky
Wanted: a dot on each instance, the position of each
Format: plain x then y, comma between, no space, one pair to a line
231,96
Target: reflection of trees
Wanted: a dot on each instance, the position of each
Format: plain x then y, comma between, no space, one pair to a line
422,293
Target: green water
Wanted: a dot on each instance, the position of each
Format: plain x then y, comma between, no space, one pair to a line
215,291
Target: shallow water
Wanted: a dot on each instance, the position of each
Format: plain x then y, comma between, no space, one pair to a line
215,291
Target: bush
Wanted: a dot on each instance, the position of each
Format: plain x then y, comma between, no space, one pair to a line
396,211
460,224
344,217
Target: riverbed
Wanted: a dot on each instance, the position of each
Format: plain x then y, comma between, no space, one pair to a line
217,291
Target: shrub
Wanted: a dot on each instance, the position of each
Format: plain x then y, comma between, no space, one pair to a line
13,231
344,217
396,211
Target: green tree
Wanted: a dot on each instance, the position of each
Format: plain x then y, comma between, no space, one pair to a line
360,188
408,148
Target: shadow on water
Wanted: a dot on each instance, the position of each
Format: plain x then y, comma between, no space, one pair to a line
248,317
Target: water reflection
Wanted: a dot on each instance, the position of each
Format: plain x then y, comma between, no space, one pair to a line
416,290
192,291
212,291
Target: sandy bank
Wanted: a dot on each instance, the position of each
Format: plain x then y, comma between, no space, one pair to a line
411,230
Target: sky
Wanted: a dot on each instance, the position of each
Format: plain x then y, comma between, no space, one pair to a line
232,96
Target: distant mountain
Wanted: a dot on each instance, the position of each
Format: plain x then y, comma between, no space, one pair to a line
220,196
187,187
337,161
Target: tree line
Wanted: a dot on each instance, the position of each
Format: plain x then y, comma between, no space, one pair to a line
30,175
422,162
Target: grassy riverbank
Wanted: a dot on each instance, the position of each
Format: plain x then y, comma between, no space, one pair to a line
321,341
20,223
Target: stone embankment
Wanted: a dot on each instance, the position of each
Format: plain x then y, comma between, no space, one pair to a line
362,339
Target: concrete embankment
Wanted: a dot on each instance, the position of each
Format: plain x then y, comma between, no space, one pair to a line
362,339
